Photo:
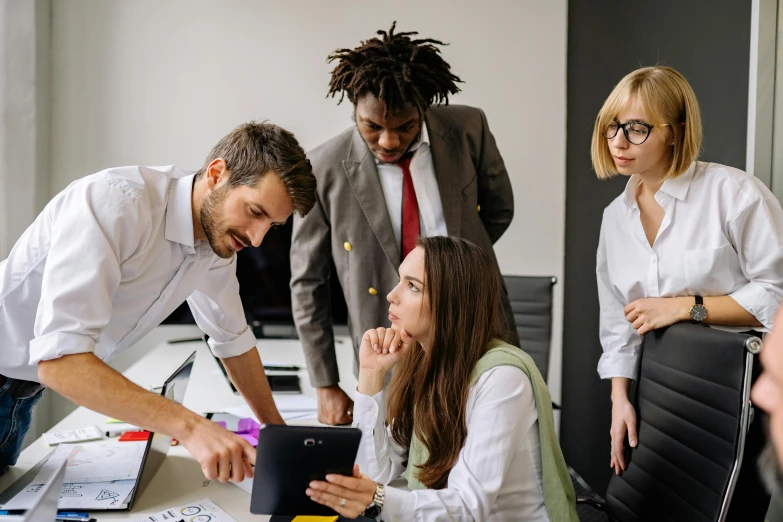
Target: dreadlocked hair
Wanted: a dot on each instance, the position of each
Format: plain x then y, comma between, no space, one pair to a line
395,69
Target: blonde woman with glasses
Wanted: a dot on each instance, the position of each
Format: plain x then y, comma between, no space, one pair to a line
687,240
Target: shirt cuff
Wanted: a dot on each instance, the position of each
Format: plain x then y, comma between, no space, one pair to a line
55,345
757,301
618,365
367,410
240,345
397,506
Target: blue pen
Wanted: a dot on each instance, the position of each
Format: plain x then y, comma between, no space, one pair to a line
71,514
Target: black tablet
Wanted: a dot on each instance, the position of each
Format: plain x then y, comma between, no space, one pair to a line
289,457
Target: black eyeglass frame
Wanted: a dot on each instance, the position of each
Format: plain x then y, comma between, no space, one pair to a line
627,124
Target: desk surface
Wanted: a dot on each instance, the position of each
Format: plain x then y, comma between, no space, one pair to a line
180,479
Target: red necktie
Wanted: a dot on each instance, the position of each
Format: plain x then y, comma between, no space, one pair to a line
410,209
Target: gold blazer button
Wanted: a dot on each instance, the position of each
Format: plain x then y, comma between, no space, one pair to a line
373,291
478,208
347,246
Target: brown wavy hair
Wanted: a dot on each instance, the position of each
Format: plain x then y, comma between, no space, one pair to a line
463,287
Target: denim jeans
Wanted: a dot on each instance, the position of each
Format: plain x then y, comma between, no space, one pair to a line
15,417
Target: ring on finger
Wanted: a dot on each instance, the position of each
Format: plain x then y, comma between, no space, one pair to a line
343,501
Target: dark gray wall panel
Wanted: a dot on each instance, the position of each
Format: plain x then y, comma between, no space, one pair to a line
707,41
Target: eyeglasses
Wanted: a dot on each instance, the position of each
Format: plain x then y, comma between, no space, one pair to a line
636,132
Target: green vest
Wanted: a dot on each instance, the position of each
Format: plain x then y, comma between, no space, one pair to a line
559,496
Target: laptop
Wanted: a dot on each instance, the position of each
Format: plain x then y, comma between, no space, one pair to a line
154,453
158,444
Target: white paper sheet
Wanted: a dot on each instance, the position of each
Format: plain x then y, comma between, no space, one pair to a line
105,462
81,435
291,407
203,510
97,495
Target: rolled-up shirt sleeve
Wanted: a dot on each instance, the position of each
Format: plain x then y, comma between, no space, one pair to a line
757,235
98,226
218,311
620,342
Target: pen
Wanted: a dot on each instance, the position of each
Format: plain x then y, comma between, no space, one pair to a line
115,433
67,515
281,368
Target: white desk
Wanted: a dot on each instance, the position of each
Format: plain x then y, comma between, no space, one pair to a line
180,479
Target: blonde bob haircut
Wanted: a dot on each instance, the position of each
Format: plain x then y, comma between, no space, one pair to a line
666,98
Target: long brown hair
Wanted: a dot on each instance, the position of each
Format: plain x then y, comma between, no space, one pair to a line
463,287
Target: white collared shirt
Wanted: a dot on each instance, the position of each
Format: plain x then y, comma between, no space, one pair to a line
722,234
431,219
104,263
498,474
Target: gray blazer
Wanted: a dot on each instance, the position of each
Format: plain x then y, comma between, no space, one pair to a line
350,224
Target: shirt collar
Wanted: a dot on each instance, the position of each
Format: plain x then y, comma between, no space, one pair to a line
675,187
179,211
423,139
678,187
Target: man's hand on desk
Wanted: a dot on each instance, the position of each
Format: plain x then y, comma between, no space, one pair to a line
223,455
334,406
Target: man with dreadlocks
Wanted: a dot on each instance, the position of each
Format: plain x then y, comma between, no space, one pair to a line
407,168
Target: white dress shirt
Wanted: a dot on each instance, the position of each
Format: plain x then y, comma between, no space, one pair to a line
497,476
722,234
431,220
106,261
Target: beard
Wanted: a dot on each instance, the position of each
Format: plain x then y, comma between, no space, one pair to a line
769,468
214,225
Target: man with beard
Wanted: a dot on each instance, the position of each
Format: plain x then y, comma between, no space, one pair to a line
116,252
767,394
408,167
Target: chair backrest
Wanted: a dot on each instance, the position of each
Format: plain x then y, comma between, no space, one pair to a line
692,404
531,302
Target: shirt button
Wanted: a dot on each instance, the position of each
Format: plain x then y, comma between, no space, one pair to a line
373,291
347,246
654,261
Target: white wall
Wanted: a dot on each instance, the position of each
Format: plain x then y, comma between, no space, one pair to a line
150,82
24,131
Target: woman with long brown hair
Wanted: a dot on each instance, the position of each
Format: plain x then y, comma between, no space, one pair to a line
467,418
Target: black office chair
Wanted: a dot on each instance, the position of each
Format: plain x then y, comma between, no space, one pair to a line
693,410
531,302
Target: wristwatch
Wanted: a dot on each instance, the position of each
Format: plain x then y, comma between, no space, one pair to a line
376,506
698,312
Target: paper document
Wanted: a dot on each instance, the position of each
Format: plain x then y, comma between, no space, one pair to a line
82,435
105,462
291,407
95,495
203,510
